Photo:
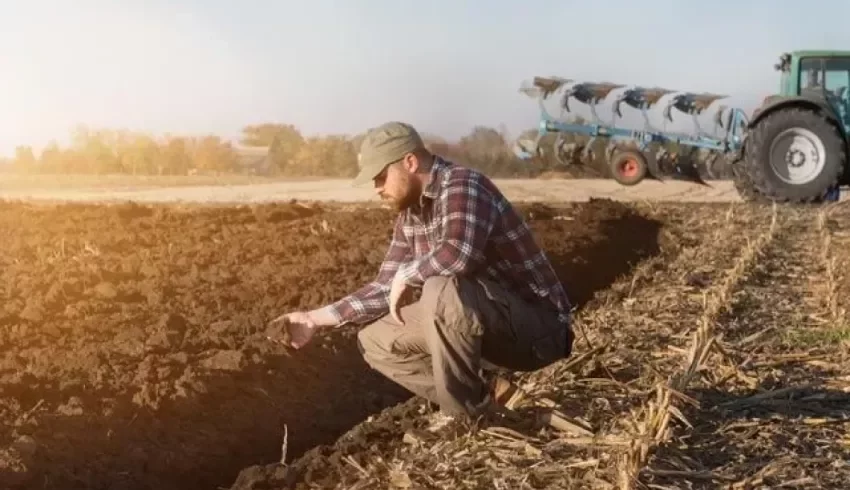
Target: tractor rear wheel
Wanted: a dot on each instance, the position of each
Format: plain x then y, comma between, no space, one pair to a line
743,185
794,155
628,167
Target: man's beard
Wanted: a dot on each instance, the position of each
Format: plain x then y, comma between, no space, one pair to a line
404,202
409,199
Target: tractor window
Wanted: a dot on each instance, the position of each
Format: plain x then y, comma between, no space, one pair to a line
811,74
831,74
837,76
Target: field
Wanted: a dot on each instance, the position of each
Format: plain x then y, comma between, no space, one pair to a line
245,190
112,182
712,351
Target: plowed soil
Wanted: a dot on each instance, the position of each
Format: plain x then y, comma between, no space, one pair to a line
132,347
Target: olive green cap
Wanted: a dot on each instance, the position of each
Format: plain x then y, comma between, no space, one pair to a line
383,145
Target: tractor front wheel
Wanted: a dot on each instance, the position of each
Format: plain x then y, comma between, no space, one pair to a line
794,155
628,167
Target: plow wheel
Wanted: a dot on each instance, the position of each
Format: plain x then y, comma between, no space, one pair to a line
628,167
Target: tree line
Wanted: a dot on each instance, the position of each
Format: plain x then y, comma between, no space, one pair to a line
281,150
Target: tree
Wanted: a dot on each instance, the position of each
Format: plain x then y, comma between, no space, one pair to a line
174,159
138,154
211,154
284,141
265,134
52,157
331,156
24,159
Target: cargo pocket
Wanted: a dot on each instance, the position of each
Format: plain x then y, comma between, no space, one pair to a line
495,307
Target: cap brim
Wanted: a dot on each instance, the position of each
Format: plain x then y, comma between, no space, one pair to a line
362,179
366,176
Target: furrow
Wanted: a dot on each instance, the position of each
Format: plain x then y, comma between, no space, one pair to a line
773,394
652,424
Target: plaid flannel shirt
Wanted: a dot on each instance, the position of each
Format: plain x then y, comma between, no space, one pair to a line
465,227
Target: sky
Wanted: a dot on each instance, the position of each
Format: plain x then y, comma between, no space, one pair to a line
335,66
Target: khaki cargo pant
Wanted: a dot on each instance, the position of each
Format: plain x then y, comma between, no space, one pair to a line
455,329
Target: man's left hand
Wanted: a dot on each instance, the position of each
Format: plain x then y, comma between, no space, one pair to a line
399,295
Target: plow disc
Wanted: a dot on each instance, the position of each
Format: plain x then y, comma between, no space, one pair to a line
590,94
641,99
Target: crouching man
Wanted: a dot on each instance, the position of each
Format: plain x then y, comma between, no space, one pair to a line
488,295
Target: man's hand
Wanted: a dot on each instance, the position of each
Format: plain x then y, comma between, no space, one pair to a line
400,294
296,329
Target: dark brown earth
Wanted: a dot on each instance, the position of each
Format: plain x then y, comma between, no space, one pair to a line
132,352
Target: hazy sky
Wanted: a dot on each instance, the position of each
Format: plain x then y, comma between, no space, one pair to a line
193,66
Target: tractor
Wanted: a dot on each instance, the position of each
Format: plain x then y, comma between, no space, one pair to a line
794,147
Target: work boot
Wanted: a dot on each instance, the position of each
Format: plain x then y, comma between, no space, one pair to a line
504,393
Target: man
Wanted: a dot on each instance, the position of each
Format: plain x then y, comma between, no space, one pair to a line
489,296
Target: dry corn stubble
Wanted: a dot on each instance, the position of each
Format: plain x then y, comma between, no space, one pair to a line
625,329
790,431
833,241
651,423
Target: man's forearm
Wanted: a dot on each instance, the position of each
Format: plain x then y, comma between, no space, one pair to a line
447,258
325,316
367,303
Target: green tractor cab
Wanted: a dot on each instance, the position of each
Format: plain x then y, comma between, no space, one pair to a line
795,145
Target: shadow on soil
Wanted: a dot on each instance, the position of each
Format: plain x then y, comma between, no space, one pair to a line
620,243
204,440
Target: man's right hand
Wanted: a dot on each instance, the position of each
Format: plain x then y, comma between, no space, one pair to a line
295,329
